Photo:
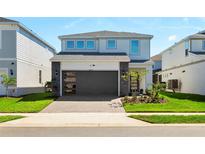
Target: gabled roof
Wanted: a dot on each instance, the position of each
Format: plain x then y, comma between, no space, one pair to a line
9,21
105,34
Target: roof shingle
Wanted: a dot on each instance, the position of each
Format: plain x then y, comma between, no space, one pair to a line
99,34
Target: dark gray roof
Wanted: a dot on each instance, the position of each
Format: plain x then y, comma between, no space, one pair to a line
197,35
93,53
139,61
105,33
198,52
7,20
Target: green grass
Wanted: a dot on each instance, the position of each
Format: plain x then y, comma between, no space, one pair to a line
167,119
26,104
176,102
9,118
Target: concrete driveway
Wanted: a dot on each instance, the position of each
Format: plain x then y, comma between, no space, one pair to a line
67,104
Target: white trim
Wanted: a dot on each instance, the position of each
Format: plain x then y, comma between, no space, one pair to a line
61,92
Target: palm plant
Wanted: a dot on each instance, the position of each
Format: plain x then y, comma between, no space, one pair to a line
8,81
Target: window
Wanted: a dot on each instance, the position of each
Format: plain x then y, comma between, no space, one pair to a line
90,44
203,44
70,44
134,46
111,44
80,44
40,76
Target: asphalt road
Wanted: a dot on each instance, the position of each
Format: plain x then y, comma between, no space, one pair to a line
142,131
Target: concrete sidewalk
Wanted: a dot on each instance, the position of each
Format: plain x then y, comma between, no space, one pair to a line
87,120
73,120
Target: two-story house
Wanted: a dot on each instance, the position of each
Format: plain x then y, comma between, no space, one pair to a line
25,56
93,63
183,65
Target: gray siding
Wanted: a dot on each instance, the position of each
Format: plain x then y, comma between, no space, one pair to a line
56,77
124,87
8,41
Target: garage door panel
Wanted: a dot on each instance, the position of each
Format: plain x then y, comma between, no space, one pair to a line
96,82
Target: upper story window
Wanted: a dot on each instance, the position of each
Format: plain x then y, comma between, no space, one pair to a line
90,44
70,44
203,44
111,44
80,44
134,46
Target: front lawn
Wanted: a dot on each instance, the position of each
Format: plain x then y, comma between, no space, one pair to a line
167,119
176,102
9,118
25,104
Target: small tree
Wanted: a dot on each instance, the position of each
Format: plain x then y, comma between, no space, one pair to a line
135,74
8,81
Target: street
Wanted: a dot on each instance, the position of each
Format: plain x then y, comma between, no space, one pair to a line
142,131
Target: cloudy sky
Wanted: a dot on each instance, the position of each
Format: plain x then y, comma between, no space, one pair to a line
166,31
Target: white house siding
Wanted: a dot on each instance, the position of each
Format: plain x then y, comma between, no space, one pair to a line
87,65
31,57
123,45
192,80
176,57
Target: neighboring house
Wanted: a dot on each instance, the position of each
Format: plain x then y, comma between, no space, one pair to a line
183,65
94,63
157,67
25,56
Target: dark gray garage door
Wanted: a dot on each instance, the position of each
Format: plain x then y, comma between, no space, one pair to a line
90,82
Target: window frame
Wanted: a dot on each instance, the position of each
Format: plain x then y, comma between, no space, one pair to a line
203,44
137,53
40,76
76,44
94,47
70,41
111,40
